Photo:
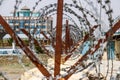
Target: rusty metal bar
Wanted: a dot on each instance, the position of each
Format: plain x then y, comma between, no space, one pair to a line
69,38
44,35
66,38
80,42
107,35
36,42
58,49
24,47
71,42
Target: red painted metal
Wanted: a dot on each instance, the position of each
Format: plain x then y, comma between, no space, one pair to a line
107,36
58,49
24,47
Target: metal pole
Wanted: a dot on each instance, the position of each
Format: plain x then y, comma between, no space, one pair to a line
58,49
67,39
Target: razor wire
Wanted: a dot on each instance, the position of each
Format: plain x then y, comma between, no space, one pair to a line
109,14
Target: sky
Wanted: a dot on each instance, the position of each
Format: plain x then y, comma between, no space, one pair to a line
8,5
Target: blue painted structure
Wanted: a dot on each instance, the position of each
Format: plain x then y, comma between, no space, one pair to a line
110,49
85,47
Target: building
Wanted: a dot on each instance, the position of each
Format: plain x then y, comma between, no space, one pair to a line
29,20
26,19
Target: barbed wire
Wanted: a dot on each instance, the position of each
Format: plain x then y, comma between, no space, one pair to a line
108,12
69,10
74,27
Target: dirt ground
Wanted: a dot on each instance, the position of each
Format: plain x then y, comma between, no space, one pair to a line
11,69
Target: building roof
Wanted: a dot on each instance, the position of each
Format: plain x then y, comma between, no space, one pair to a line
25,8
